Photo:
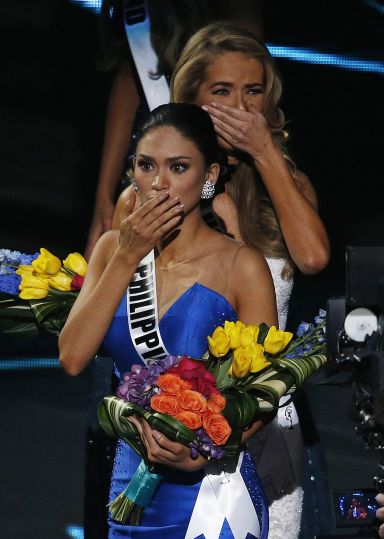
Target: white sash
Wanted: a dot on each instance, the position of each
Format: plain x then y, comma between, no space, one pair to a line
138,30
143,320
287,415
220,497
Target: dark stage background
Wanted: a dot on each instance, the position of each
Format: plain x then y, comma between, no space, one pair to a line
52,119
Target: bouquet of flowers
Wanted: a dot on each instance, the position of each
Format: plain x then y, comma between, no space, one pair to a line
207,403
37,291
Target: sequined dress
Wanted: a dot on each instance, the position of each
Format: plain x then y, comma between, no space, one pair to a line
184,329
278,449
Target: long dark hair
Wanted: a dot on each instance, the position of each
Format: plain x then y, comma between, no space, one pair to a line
190,121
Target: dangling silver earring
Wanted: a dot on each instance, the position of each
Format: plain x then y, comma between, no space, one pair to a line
134,185
208,190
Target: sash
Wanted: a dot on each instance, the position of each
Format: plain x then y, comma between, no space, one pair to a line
138,31
287,415
143,320
220,497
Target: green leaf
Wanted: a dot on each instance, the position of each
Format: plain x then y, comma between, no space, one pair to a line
219,368
263,332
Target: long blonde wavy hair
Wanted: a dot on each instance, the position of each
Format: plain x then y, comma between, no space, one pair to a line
259,226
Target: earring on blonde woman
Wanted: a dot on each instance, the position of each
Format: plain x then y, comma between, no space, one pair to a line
208,190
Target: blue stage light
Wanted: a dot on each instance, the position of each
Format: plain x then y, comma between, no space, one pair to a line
375,4
10,364
92,5
297,54
75,532
311,56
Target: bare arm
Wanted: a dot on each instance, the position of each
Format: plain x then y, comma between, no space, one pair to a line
253,289
294,202
123,102
110,271
119,211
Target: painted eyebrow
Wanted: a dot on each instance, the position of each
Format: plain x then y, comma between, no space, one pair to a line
173,158
226,83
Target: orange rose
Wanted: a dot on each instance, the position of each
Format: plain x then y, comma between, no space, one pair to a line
172,383
216,403
217,427
166,404
192,400
189,419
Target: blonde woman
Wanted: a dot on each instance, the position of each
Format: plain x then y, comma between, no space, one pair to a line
267,204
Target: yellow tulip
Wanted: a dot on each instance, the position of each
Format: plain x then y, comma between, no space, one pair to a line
249,335
76,263
219,343
276,340
234,330
258,360
46,262
23,269
241,363
44,276
62,281
32,287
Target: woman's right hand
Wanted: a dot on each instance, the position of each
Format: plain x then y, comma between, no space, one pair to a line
142,228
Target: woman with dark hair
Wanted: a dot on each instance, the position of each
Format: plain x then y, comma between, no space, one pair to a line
172,22
202,278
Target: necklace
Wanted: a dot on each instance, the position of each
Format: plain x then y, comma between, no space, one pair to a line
171,266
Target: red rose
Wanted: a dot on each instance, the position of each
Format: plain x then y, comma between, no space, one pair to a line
204,387
77,282
197,374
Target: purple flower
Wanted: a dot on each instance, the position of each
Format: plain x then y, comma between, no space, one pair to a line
298,351
10,284
204,446
139,384
302,329
9,262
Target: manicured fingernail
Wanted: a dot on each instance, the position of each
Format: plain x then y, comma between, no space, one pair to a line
204,107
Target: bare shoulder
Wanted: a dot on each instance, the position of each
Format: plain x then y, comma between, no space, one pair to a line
253,289
221,202
251,263
120,206
306,187
247,262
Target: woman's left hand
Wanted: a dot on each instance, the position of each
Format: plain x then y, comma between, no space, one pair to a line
245,130
162,450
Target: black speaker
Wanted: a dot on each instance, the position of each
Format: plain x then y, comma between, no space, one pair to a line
365,278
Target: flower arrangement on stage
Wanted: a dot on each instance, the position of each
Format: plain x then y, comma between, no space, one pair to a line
207,403
37,291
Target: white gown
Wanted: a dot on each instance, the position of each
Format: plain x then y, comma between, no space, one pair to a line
278,449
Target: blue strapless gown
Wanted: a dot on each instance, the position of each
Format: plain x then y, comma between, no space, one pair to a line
184,329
